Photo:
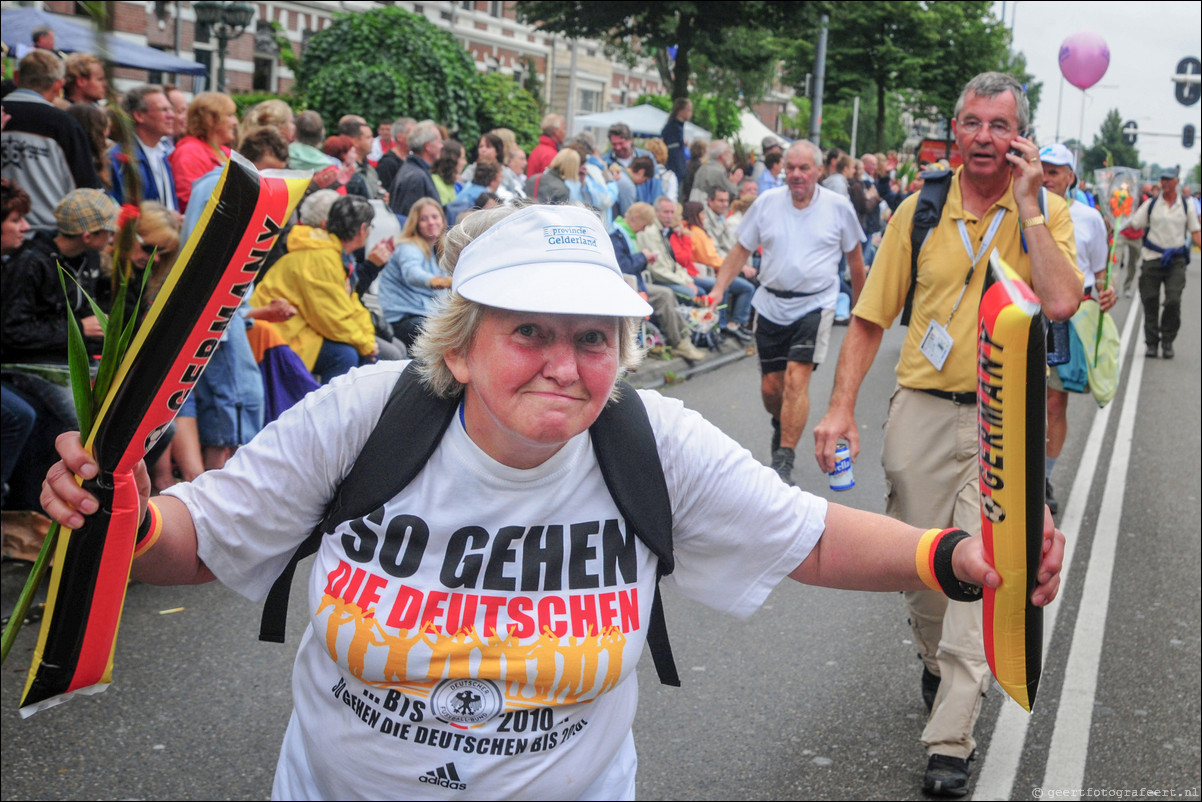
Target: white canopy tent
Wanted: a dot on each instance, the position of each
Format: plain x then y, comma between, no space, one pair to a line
752,132
644,121
648,121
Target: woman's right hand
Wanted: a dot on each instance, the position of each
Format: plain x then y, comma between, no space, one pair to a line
63,498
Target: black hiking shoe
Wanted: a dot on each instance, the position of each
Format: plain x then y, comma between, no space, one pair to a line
946,776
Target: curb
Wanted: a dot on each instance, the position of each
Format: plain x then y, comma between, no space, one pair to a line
653,374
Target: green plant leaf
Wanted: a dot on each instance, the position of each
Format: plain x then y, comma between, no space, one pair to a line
96,310
36,573
110,354
132,325
77,362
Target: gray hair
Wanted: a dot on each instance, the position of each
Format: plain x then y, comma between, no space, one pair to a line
815,151
401,127
422,134
39,70
992,84
452,328
718,148
309,128
316,208
135,99
586,138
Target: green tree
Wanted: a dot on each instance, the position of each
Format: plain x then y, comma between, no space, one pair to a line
896,53
726,47
873,50
385,63
503,103
1108,147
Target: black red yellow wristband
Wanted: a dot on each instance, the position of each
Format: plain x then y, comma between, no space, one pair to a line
933,560
149,530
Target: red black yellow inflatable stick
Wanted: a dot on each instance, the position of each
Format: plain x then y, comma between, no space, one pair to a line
1012,417
240,223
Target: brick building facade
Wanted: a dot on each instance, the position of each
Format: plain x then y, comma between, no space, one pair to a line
489,31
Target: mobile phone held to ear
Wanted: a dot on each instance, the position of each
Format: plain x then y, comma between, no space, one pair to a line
1015,151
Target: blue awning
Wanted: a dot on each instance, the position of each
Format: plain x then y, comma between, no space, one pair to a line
16,26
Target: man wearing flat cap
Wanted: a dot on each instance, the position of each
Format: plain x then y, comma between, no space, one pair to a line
33,308
1169,225
33,321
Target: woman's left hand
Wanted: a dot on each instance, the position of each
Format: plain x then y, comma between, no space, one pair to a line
972,567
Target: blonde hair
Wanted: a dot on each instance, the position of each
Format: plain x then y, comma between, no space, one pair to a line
273,113
79,67
566,164
658,149
159,228
508,138
452,328
410,235
205,113
640,211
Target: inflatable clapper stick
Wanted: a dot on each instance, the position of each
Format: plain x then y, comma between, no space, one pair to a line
243,217
1012,418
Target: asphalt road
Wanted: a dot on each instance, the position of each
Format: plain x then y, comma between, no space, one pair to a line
816,696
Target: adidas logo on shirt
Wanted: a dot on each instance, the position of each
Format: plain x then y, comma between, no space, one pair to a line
444,777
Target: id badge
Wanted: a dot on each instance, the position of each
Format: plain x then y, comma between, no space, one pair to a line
936,344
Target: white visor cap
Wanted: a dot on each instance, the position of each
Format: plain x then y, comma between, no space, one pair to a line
553,259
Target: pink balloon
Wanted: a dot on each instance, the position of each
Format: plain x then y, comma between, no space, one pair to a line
1084,58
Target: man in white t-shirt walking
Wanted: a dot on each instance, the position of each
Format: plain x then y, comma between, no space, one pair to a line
804,231
1059,175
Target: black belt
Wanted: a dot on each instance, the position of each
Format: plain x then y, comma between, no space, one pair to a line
791,293
956,398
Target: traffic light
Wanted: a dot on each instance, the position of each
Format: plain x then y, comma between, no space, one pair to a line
1130,132
1187,136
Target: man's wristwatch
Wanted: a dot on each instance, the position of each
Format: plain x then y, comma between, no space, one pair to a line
1037,220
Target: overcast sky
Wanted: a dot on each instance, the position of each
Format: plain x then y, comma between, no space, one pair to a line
1146,41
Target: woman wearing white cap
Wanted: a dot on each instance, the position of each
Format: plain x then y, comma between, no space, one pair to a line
479,631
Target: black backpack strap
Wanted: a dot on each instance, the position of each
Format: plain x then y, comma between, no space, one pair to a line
625,446
931,199
409,430
1148,225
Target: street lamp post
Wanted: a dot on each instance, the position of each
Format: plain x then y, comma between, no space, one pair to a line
226,21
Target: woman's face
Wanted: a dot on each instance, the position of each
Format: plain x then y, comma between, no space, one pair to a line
12,232
227,128
535,381
143,248
462,163
485,152
430,224
517,161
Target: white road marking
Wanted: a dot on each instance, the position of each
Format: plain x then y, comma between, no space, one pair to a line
995,780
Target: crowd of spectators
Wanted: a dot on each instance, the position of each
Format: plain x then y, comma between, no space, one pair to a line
671,207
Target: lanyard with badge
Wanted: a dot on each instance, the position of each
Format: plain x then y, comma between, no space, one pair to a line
937,342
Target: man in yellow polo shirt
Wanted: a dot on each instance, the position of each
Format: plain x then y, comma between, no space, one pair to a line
930,449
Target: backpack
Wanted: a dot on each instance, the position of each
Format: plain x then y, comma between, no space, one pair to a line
931,199
1171,251
622,439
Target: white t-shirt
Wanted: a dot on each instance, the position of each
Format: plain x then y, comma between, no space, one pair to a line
802,250
1093,247
394,696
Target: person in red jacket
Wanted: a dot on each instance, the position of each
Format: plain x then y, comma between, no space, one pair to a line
554,130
